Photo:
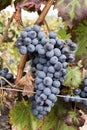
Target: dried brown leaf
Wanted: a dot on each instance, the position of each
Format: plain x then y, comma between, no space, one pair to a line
17,16
26,83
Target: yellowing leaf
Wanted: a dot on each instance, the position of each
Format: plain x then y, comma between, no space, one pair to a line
73,78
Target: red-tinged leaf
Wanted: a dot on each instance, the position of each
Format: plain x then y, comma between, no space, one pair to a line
72,11
30,5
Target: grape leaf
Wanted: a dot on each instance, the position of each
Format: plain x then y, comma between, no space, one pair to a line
73,78
29,5
20,116
4,3
27,83
54,120
79,34
72,11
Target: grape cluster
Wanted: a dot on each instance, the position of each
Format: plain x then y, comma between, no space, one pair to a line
50,57
79,93
9,76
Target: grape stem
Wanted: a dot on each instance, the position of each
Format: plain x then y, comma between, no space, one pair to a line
45,22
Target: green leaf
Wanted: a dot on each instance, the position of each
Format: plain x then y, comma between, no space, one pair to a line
21,116
73,78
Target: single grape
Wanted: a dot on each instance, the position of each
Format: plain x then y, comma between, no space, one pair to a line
73,47
32,34
85,89
31,48
59,43
42,60
47,81
83,94
56,84
49,46
47,109
52,41
52,35
39,46
48,63
57,75
6,70
71,58
85,82
39,66
41,74
64,72
77,91
40,116
49,102
62,79
62,58
27,41
50,75
53,98
9,76
35,41
47,91
69,42
57,52
84,102
49,54
43,96
41,35
55,90
41,86
45,69
39,108
23,50
41,51
51,69
18,44
58,66
35,112
27,28
44,40
65,51
77,99
65,64
38,92
36,28
54,60
24,34
36,60
3,83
